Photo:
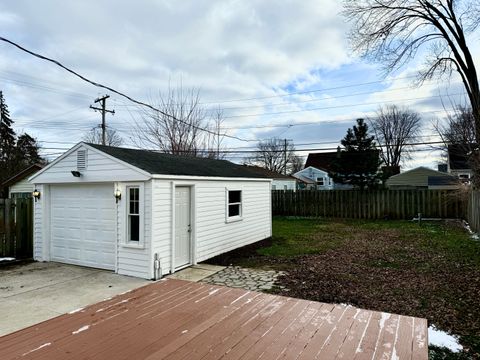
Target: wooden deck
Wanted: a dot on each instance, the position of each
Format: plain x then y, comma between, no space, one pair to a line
174,319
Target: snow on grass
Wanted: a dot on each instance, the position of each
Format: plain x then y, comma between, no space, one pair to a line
6,259
467,227
442,339
83,328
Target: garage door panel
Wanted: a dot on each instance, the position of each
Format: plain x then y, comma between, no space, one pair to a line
83,225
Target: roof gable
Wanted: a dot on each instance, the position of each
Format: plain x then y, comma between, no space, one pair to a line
100,167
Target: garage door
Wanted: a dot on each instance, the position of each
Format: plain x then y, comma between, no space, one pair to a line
83,225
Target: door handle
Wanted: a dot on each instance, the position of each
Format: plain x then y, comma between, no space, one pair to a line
189,228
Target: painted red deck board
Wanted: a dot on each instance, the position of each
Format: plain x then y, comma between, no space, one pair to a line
175,319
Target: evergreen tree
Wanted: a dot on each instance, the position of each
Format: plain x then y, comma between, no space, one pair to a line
27,151
7,140
358,164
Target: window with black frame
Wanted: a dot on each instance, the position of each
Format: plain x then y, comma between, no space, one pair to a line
133,214
234,207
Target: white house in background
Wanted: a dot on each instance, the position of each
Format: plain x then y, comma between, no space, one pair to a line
279,181
18,185
312,178
120,209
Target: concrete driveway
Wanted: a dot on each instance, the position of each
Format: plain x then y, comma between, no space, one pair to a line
37,292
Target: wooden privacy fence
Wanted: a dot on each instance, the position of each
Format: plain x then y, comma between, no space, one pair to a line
473,212
371,204
16,228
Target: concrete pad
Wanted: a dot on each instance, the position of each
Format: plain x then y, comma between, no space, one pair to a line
40,291
197,272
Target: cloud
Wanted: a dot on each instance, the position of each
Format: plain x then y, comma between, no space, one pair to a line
230,49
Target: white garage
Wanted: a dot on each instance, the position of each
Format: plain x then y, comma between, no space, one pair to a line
83,221
143,213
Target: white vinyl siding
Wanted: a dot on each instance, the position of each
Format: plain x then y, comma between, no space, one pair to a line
284,184
23,186
38,228
210,233
134,258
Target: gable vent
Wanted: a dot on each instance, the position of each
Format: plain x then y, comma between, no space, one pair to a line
81,159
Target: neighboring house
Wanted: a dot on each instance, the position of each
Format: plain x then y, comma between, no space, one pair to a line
457,163
312,178
279,181
18,185
422,178
120,209
322,161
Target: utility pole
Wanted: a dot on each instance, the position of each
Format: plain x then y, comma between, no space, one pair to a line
103,110
285,158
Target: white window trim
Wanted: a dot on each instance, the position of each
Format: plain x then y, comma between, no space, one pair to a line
141,210
230,219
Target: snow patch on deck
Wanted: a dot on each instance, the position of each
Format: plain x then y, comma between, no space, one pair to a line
76,310
37,348
442,339
83,328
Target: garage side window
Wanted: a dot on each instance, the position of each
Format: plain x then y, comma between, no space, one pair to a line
134,214
234,206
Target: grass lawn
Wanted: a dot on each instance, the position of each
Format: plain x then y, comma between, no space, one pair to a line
431,270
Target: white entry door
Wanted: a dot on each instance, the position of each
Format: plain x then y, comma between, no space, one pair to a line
183,246
83,221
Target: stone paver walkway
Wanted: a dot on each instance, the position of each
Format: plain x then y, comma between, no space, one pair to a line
244,278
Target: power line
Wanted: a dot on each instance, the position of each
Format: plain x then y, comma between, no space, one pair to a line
336,107
308,91
113,90
298,102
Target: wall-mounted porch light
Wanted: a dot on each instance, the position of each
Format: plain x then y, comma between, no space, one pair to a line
36,194
118,195
76,173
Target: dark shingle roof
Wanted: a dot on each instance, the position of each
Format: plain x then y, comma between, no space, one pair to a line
268,173
442,180
322,161
325,160
23,174
167,164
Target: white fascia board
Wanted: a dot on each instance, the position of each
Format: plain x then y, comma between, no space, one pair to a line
207,178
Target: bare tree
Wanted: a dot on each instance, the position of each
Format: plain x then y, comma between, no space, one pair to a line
214,147
112,138
459,127
458,135
394,128
394,31
297,164
161,131
275,155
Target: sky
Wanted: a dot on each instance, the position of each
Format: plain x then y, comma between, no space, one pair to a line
275,68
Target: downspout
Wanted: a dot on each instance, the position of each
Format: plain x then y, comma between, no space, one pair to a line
157,269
